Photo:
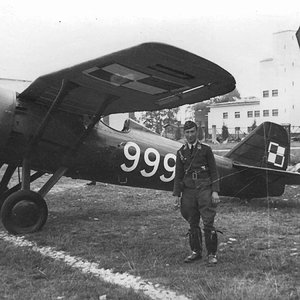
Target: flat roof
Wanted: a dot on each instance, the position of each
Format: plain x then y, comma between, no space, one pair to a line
267,59
236,103
288,30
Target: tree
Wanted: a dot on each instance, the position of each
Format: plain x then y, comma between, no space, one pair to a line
156,120
201,110
225,133
177,133
132,116
230,97
253,126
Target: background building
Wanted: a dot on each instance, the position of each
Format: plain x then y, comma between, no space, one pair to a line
238,116
279,99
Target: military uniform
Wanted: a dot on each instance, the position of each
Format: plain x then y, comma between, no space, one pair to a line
196,178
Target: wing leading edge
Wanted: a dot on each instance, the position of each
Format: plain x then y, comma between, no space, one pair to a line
150,76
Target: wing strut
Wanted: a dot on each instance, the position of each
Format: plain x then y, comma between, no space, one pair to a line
65,88
95,119
6,178
26,211
62,170
52,181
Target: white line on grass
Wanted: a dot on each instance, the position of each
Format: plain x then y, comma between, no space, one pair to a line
87,267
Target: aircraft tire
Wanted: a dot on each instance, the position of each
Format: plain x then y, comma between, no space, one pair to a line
1,202
24,212
3,197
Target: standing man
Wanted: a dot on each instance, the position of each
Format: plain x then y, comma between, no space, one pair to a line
196,187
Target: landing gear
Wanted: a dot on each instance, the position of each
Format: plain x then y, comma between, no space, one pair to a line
4,182
23,212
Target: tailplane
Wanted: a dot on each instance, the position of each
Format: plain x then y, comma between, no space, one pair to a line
267,146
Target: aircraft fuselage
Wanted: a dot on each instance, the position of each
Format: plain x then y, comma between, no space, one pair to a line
132,158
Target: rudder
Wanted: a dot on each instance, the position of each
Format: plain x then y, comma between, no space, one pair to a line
267,146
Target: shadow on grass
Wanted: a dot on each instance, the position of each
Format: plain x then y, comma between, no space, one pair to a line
272,202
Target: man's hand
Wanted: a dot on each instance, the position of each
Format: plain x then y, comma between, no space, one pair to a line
177,203
215,198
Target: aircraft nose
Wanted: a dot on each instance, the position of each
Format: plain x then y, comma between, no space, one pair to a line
7,112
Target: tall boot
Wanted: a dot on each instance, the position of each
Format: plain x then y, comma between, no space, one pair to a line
195,239
211,243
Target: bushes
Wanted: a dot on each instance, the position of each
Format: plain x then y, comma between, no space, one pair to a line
225,133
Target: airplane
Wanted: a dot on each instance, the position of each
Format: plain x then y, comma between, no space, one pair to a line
54,126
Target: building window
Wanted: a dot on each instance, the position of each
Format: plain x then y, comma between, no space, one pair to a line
250,114
274,93
265,94
265,112
225,115
275,112
256,113
237,115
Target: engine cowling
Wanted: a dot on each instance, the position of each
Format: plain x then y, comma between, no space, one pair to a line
7,112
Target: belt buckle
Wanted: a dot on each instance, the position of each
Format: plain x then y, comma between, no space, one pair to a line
194,176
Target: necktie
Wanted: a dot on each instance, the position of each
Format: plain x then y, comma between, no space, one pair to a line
192,149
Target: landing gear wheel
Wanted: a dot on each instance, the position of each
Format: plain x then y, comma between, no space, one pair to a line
3,197
24,212
1,201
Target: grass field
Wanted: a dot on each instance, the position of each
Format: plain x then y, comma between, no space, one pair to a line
138,231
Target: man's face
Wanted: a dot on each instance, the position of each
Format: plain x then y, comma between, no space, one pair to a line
191,135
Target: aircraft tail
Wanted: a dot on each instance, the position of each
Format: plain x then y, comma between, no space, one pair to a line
267,146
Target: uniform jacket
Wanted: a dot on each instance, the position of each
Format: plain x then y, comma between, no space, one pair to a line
202,162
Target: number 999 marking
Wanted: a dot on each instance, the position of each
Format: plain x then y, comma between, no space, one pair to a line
152,158
135,157
169,156
150,163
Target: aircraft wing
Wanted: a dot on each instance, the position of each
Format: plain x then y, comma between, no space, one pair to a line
272,175
149,76
298,36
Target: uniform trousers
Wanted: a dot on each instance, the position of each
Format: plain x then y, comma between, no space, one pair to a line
196,203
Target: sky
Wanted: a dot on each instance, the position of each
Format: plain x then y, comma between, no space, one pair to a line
39,37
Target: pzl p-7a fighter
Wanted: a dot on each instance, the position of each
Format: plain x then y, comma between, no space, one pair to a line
53,127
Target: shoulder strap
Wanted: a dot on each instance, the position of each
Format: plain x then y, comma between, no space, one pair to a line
189,167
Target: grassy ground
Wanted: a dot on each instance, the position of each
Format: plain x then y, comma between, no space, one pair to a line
137,231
